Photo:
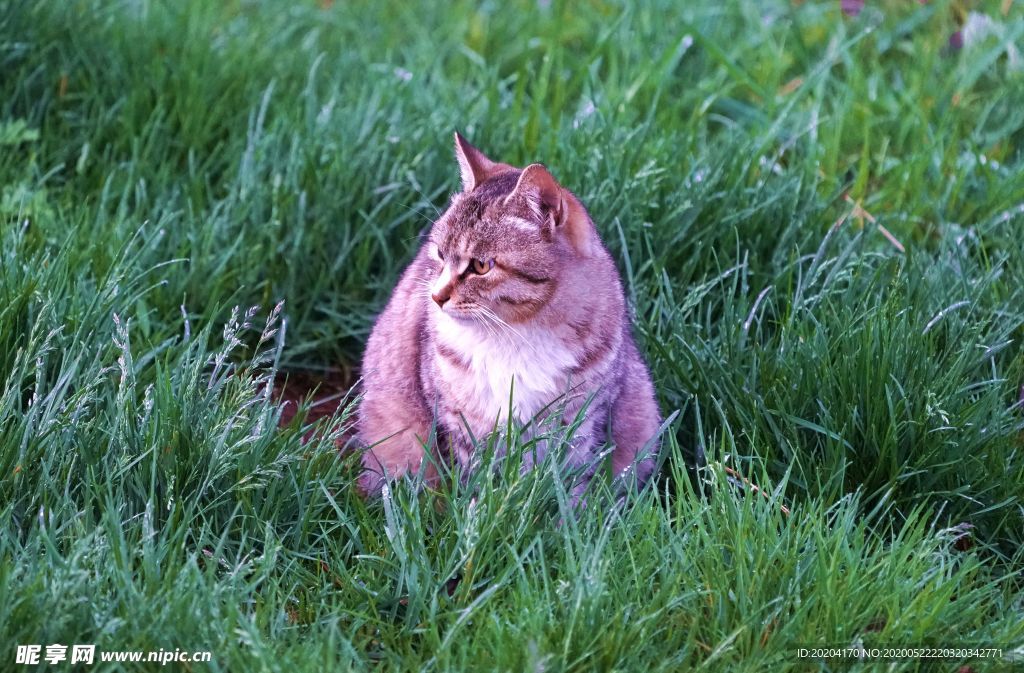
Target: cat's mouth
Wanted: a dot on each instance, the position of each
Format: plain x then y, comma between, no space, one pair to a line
463,314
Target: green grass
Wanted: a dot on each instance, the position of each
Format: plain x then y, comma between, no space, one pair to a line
162,163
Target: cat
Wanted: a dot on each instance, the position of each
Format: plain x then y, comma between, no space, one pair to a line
512,285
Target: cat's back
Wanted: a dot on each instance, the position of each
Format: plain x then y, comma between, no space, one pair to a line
396,340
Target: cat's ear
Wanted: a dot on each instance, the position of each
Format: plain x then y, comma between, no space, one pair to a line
559,211
543,193
474,166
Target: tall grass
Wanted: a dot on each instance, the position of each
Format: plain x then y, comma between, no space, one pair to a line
818,220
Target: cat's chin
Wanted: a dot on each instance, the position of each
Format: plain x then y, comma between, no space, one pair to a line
459,317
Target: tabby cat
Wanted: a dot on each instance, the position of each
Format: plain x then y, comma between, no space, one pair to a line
513,287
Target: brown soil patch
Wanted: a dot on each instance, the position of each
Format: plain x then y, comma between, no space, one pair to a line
326,390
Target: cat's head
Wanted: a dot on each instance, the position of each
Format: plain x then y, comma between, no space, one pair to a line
506,241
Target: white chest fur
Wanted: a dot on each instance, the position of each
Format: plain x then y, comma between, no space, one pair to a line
534,360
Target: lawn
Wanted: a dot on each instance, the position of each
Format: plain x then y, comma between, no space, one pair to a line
819,217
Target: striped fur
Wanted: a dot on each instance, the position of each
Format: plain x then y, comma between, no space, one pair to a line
549,315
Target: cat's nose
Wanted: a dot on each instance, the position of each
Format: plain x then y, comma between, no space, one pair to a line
441,290
441,297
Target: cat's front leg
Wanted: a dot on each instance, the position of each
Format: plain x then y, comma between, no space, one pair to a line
461,452
582,463
635,421
404,437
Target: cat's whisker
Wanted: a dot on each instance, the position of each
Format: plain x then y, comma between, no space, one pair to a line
509,330
485,322
509,337
480,313
491,319
500,331
493,327
426,199
514,338
427,286
501,321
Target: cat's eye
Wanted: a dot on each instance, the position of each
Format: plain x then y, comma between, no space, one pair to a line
440,255
481,266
